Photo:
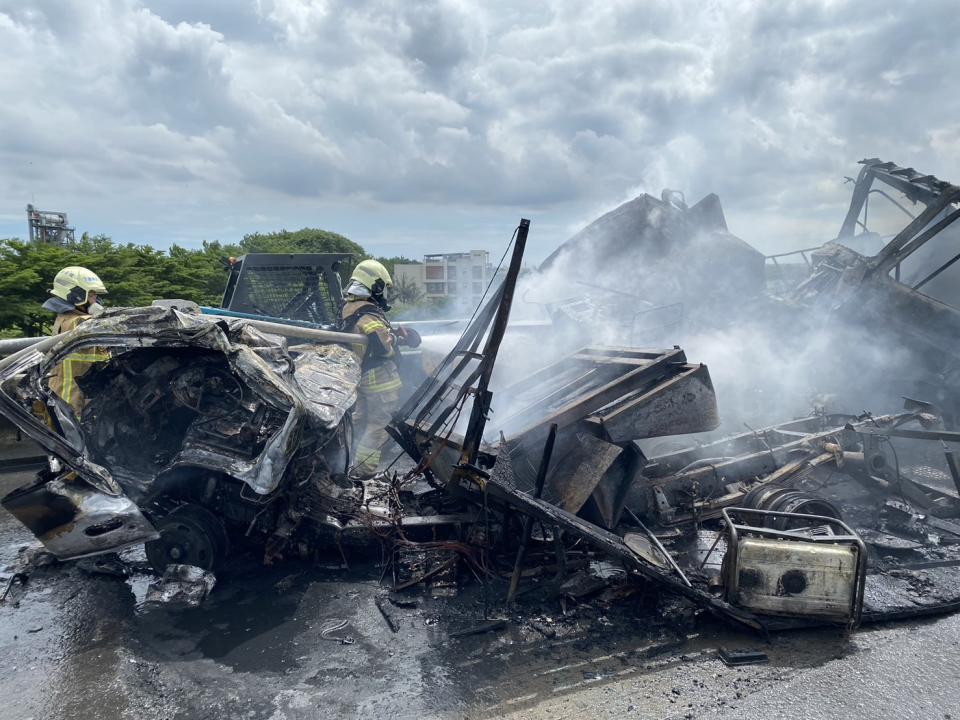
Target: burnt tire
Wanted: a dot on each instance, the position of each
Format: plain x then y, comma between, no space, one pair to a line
189,535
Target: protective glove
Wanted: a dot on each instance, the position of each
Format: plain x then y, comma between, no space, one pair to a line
408,337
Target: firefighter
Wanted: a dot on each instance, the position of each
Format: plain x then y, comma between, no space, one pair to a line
364,311
74,298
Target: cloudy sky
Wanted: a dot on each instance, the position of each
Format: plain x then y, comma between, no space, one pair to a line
419,126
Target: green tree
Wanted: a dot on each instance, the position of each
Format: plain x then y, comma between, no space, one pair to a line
138,274
314,240
305,240
133,274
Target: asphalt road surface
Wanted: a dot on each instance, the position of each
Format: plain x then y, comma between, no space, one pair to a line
77,645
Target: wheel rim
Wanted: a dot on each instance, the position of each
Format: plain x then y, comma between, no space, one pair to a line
190,535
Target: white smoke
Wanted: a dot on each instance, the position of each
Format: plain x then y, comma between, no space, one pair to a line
770,362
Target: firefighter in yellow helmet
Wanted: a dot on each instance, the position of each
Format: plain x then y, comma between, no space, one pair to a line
364,311
74,298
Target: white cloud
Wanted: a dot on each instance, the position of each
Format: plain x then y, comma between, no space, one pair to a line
557,108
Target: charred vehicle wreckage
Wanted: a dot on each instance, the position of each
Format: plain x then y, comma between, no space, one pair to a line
203,434
186,430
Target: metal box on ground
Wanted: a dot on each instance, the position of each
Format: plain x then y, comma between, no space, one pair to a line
815,569
789,577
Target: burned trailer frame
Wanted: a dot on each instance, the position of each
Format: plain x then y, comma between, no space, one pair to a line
482,473
696,483
601,400
939,199
598,397
903,290
755,483
937,195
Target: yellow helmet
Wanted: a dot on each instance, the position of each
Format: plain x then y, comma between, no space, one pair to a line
74,284
369,272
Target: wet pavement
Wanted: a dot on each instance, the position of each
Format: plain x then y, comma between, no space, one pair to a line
296,641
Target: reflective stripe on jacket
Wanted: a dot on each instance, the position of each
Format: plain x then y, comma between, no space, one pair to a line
63,378
362,316
384,378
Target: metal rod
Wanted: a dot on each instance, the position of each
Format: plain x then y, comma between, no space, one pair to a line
560,551
792,252
527,520
224,312
660,547
908,241
481,399
12,345
290,331
947,423
890,198
861,191
936,272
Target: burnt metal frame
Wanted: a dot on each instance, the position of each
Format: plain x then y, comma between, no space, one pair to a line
937,195
849,537
612,544
880,425
802,253
482,395
950,441
448,378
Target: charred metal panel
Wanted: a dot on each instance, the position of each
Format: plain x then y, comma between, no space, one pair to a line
625,385
579,471
615,395
601,399
683,404
73,519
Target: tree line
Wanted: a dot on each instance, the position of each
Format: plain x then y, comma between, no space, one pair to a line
139,274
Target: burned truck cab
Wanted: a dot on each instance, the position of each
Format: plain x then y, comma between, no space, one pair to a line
196,430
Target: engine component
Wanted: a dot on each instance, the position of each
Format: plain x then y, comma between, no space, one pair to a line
787,500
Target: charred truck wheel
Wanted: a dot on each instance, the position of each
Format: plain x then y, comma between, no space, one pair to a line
189,535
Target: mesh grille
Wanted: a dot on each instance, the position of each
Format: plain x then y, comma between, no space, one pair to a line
290,291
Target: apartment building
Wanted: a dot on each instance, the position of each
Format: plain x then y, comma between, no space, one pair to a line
458,278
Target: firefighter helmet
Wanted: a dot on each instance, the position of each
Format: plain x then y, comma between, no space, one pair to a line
373,276
74,284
